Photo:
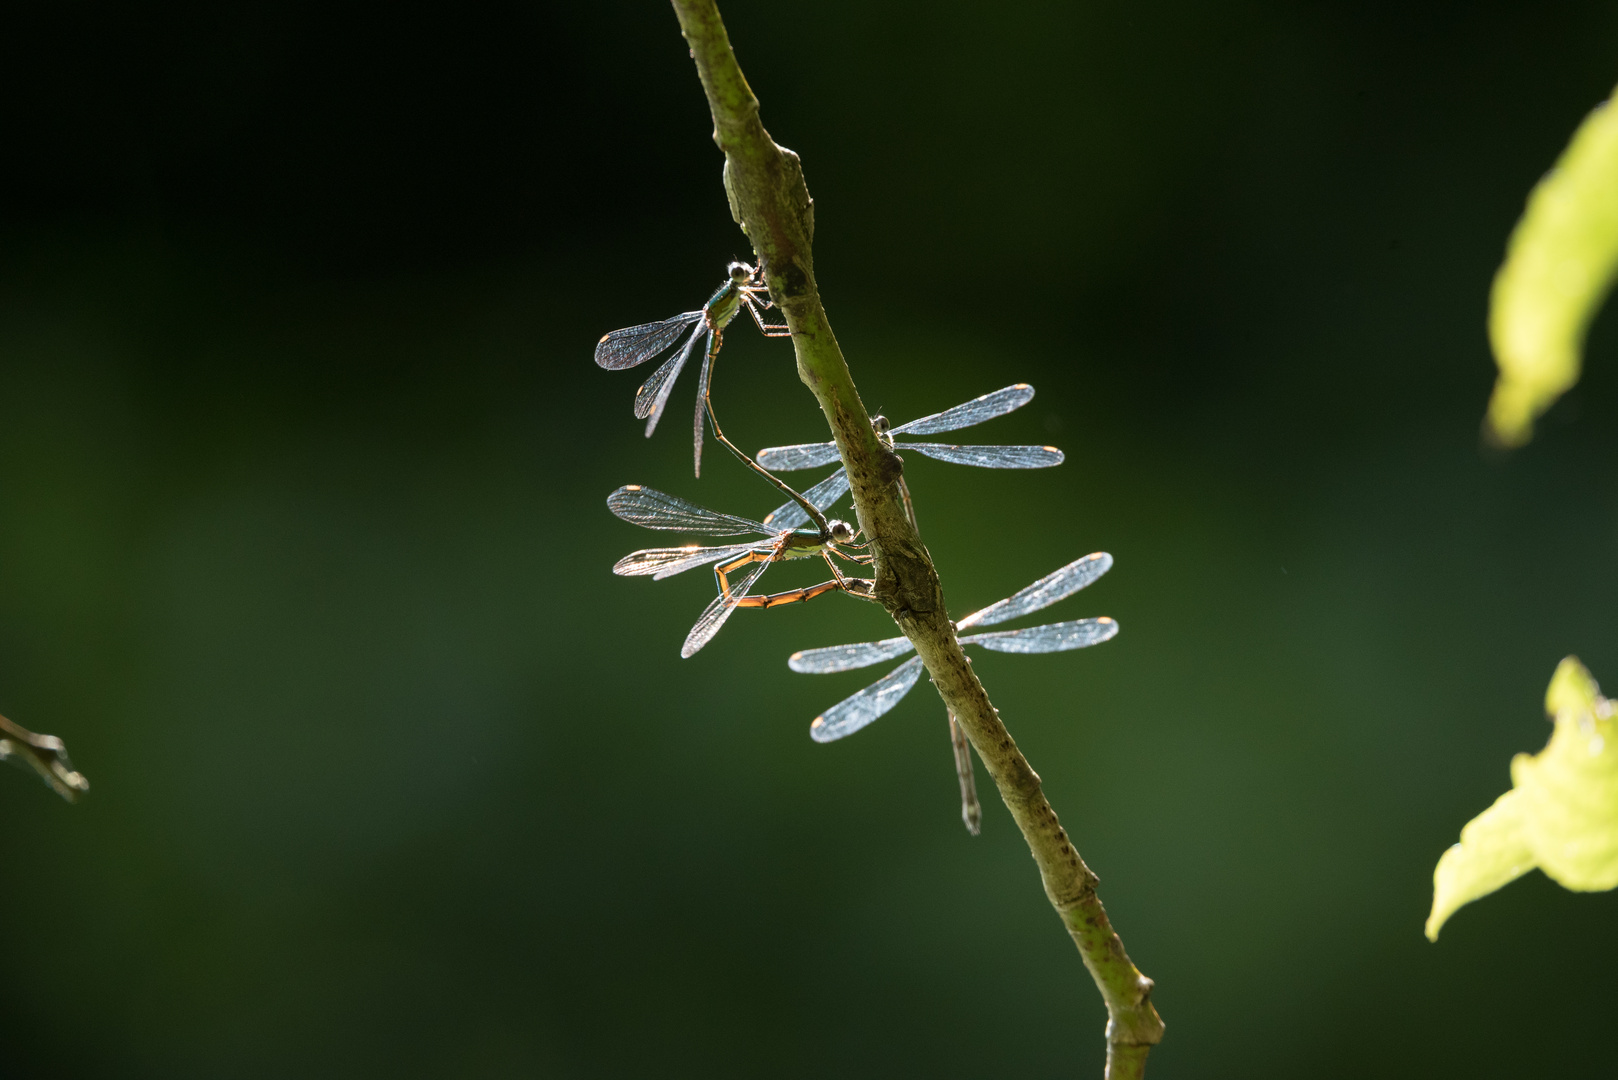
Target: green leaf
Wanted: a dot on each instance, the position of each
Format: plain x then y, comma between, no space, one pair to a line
1560,262
1493,851
1561,814
1570,789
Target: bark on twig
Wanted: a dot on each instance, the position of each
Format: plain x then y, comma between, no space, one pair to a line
769,200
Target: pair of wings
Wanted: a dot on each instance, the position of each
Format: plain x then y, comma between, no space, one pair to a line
976,411
653,509
858,710
637,344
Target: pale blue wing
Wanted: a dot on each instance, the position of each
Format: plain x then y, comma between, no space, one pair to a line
638,344
1043,593
660,563
972,412
988,457
654,395
792,516
714,616
653,509
1052,637
853,713
847,657
800,456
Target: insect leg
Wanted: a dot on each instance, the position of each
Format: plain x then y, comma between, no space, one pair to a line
793,596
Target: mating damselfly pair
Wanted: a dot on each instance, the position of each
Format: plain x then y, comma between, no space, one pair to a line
799,529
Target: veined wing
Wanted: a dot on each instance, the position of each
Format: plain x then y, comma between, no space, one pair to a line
800,456
972,412
989,457
660,563
638,344
1043,593
699,421
654,392
852,713
790,515
1052,637
847,657
714,616
654,509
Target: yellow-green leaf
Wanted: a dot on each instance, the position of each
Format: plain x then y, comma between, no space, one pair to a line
1561,814
1560,262
1492,852
1570,789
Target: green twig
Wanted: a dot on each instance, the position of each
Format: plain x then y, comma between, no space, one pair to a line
769,200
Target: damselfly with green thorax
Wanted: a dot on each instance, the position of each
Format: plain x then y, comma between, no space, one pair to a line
976,411
743,287
855,712
790,538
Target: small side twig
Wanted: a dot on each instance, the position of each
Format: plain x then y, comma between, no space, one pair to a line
770,201
46,755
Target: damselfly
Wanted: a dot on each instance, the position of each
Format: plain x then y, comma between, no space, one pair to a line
855,712
627,348
976,411
46,755
655,510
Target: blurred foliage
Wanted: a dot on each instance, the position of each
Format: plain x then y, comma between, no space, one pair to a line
1561,814
1559,267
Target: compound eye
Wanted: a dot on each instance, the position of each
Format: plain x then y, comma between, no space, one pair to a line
740,272
880,424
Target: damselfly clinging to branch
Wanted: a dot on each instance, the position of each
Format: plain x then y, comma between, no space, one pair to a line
976,411
627,348
858,710
655,510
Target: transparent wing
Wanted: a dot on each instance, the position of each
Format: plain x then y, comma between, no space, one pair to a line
989,457
1052,637
651,398
801,456
653,509
792,516
847,657
638,344
1042,593
717,612
660,563
972,412
852,713
702,403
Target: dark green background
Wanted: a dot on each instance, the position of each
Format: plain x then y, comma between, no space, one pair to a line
303,550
